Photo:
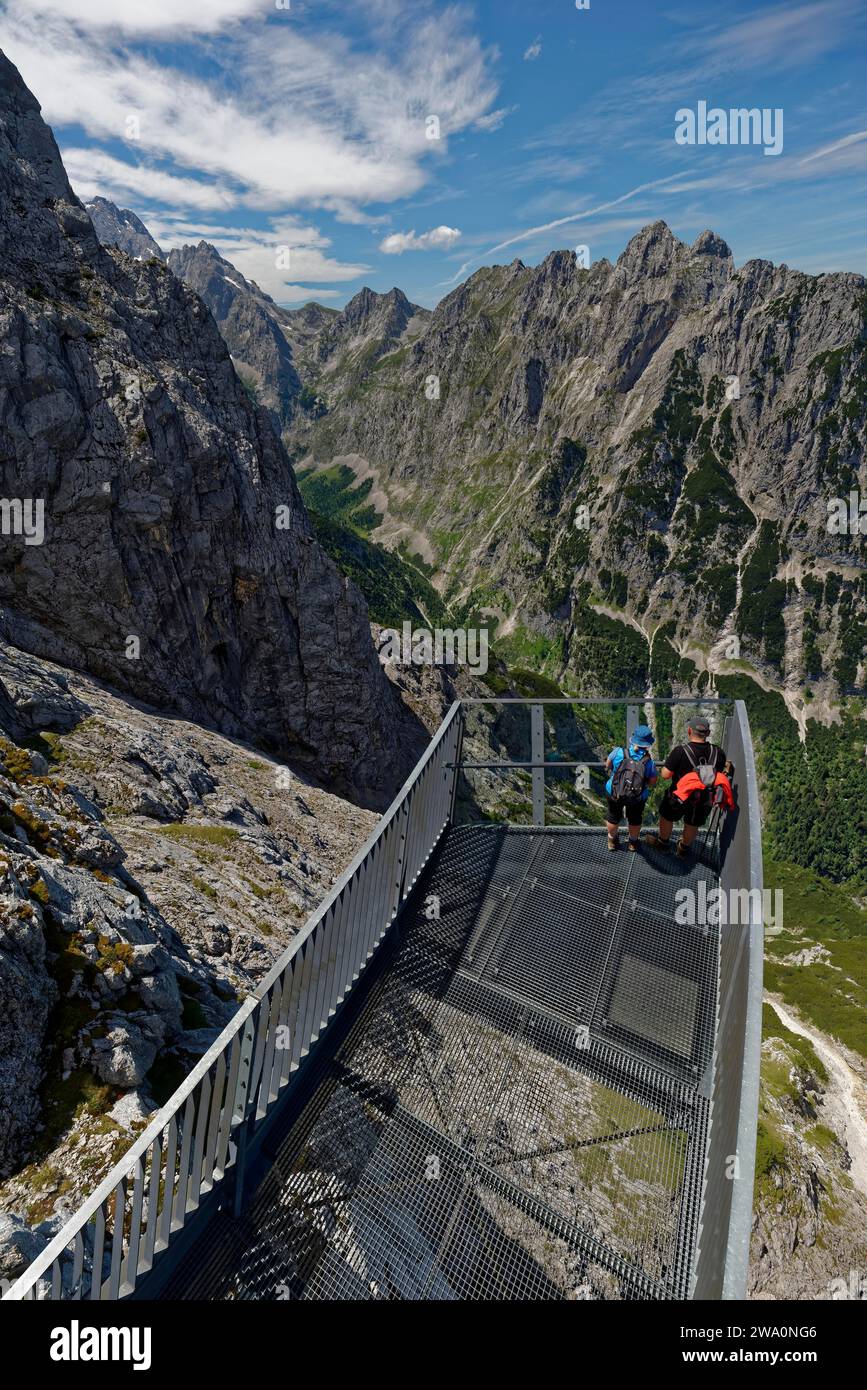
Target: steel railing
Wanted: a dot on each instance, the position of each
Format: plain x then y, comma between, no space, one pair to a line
726,1210
196,1138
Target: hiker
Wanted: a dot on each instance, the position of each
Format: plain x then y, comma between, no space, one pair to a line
697,772
632,774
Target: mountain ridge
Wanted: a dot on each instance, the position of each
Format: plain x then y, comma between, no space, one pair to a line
178,562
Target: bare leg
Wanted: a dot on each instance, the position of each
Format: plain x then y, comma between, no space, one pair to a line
688,835
665,828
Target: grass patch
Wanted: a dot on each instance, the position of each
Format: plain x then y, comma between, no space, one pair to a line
222,835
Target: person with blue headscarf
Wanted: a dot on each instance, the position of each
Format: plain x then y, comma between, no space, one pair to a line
632,772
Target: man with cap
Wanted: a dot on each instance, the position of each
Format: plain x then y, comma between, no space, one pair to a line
632,772
695,765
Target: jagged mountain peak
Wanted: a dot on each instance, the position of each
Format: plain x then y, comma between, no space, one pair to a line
651,251
709,244
120,227
42,220
368,303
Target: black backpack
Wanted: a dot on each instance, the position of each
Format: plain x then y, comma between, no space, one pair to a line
706,770
629,778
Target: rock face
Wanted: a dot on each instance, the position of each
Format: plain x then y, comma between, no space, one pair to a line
177,560
810,1202
657,441
249,321
119,227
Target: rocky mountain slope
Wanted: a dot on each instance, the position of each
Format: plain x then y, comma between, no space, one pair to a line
120,227
177,560
249,321
651,444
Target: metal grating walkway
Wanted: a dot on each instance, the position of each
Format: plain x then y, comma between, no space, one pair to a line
517,1106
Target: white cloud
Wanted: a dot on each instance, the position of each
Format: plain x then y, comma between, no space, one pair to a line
300,294
281,116
533,52
254,252
94,173
854,139
494,119
398,242
154,16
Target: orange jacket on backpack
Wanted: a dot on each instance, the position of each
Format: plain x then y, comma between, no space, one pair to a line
691,782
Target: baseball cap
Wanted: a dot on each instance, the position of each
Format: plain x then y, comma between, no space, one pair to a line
700,726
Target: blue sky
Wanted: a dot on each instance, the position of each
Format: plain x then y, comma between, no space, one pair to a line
261,127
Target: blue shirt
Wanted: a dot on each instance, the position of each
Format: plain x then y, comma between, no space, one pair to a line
616,756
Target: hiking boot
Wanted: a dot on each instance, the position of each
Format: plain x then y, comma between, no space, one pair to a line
612,844
656,842
683,851
632,845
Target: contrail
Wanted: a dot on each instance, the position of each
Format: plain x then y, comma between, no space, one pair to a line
560,222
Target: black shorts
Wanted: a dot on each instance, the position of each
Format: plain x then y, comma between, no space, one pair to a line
634,810
694,811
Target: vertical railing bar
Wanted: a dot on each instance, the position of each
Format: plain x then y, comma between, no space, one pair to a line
98,1249
345,946
128,1267
456,756
146,1257
291,1018
180,1205
377,895
309,1022
77,1265
276,1069
263,1099
397,885
228,1106
344,939
203,1113
116,1242
537,755
165,1224
218,1101
367,915
263,1014
338,921
299,1042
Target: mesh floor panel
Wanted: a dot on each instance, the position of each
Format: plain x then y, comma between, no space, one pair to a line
518,1105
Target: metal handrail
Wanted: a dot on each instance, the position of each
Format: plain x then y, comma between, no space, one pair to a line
190,1145
722,1254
